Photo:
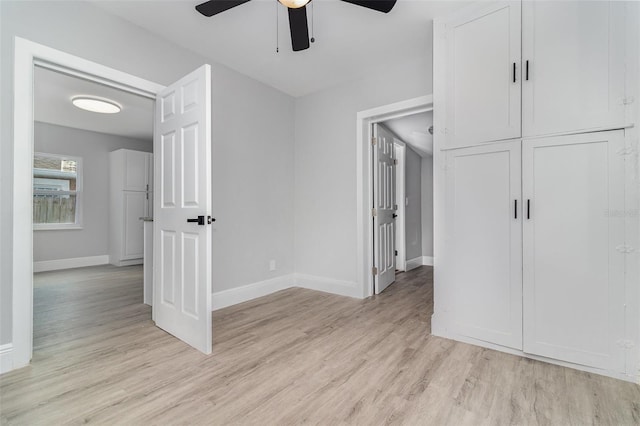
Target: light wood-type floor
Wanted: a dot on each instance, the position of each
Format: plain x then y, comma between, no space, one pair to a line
296,356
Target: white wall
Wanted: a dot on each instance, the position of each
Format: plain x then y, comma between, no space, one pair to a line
325,163
427,206
413,214
252,136
93,148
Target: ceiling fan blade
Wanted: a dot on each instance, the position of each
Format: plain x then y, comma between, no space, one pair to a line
213,7
384,6
299,28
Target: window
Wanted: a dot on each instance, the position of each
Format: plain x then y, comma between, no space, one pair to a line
57,192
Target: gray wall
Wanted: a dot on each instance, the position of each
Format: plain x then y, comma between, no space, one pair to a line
252,133
427,206
325,162
413,215
93,148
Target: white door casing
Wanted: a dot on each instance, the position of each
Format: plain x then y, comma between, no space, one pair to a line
384,199
573,58
483,84
484,241
401,249
574,294
181,249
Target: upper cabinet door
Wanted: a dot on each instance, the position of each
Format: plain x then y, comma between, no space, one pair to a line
483,73
574,52
136,170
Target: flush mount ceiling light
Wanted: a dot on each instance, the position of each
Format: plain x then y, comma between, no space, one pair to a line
102,106
294,4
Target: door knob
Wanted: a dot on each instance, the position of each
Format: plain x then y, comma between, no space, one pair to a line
200,220
395,215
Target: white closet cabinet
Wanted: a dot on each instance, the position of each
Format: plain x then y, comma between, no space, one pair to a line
574,293
573,57
483,74
484,234
130,198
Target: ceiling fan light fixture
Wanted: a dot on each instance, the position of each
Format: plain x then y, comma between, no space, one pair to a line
294,4
102,106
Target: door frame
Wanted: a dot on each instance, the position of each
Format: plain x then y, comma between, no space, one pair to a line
27,54
364,180
401,195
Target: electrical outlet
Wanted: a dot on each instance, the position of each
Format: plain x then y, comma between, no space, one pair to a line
272,265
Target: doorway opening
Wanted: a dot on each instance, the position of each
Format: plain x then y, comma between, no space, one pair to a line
368,123
88,226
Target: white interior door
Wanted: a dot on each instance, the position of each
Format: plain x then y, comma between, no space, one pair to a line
484,241
483,74
573,66
384,201
182,248
574,294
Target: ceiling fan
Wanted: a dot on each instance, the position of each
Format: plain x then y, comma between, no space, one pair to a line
297,14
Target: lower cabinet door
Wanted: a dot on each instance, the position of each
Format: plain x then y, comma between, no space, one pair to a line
573,190
484,242
135,207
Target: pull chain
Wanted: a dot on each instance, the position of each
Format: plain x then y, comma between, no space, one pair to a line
313,39
277,29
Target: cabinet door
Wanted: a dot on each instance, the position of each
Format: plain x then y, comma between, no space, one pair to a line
574,51
573,273
135,204
484,242
136,170
483,75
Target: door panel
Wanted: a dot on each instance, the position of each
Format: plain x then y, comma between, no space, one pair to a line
384,203
136,170
484,241
573,274
182,250
575,55
483,86
134,204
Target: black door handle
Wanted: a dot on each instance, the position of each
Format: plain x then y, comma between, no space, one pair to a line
395,215
200,220
528,209
514,72
527,71
515,209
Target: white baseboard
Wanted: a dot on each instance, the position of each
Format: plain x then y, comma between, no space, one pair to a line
225,298
75,262
413,263
6,357
328,285
427,260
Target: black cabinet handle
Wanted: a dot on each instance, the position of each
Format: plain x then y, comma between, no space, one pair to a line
526,71
514,72
515,209
528,209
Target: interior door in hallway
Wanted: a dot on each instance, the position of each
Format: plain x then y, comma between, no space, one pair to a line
384,208
182,231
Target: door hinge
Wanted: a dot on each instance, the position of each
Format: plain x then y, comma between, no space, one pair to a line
374,213
395,162
628,150
374,141
396,252
627,344
625,249
628,101
374,271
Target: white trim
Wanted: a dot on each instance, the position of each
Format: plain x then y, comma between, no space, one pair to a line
233,296
441,330
413,263
6,357
328,285
26,54
73,262
427,260
364,192
401,243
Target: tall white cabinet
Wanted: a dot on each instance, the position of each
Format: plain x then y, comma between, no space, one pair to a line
131,191
534,152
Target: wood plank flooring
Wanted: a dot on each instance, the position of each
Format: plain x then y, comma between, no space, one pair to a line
296,356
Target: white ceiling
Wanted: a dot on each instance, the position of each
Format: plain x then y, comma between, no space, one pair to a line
350,40
414,131
53,93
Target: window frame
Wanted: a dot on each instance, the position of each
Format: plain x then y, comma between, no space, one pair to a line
79,224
